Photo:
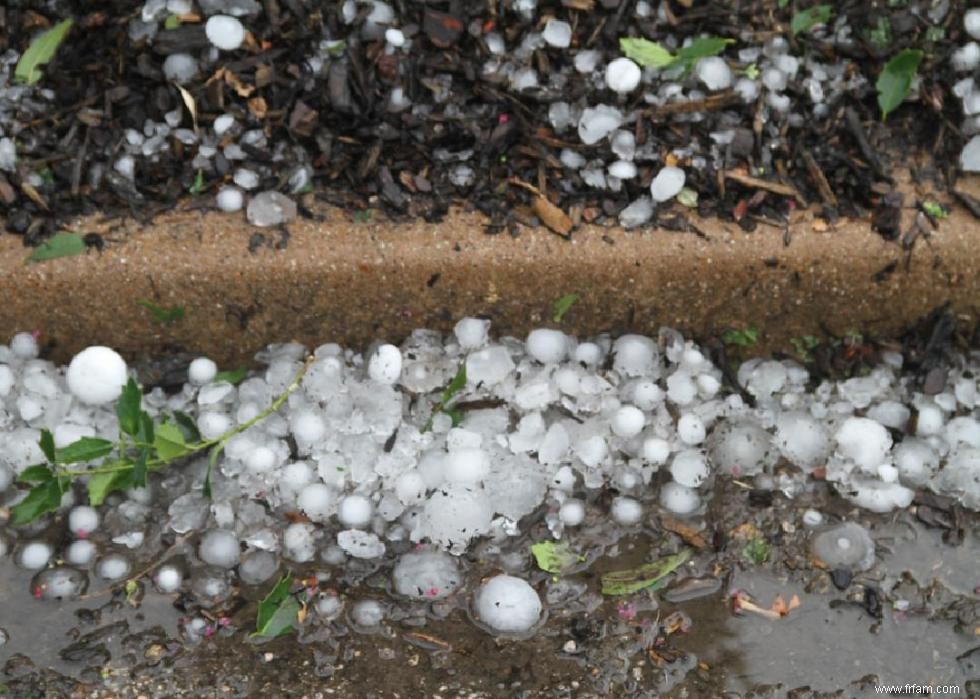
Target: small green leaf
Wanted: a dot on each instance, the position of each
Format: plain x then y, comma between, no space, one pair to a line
40,52
233,377
757,550
687,197
881,35
101,484
456,385
128,408
198,185
702,47
38,473
455,415
60,245
646,53
896,79
139,469
626,582
169,442
562,306
187,427
363,216
144,435
171,22
212,462
44,497
47,444
935,209
278,611
555,557
84,449
163,315
751,71
742,338
807,19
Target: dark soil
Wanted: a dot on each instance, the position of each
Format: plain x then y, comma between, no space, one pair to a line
364,157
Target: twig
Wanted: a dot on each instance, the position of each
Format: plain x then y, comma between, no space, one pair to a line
774,187
826,193
854,125
139,574
707,104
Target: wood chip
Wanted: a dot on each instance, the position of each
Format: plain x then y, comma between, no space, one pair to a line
551,216
816,174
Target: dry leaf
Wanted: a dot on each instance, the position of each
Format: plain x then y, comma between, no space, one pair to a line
686,532
189,103
745,532
551,216
233,81
258,107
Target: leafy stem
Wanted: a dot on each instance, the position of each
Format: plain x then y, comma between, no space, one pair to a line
142,447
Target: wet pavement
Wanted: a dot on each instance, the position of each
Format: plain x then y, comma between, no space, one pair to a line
912,618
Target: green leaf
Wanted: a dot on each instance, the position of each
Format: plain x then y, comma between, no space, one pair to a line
163,315
456,385
212,462
139,469
807,19
626,582
128,408
562,306
38,473
935,209
757,550
233,377
646,53
47,444
896,79
187,427
144,435
171,22
198,185
44,497
101,484
42,49
751,71
555,557
60,245
169,442
277,612
702,47
742,338
84,449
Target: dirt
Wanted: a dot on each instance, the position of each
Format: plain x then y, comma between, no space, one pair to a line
364,156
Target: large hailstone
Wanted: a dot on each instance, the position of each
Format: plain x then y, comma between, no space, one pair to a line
506,604
97,375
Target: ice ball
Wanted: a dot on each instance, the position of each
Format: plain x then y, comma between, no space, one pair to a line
97,375
547,346
426,575
385,365
219,547
201,371
506,604
83,520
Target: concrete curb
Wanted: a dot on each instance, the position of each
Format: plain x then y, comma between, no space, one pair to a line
348,282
